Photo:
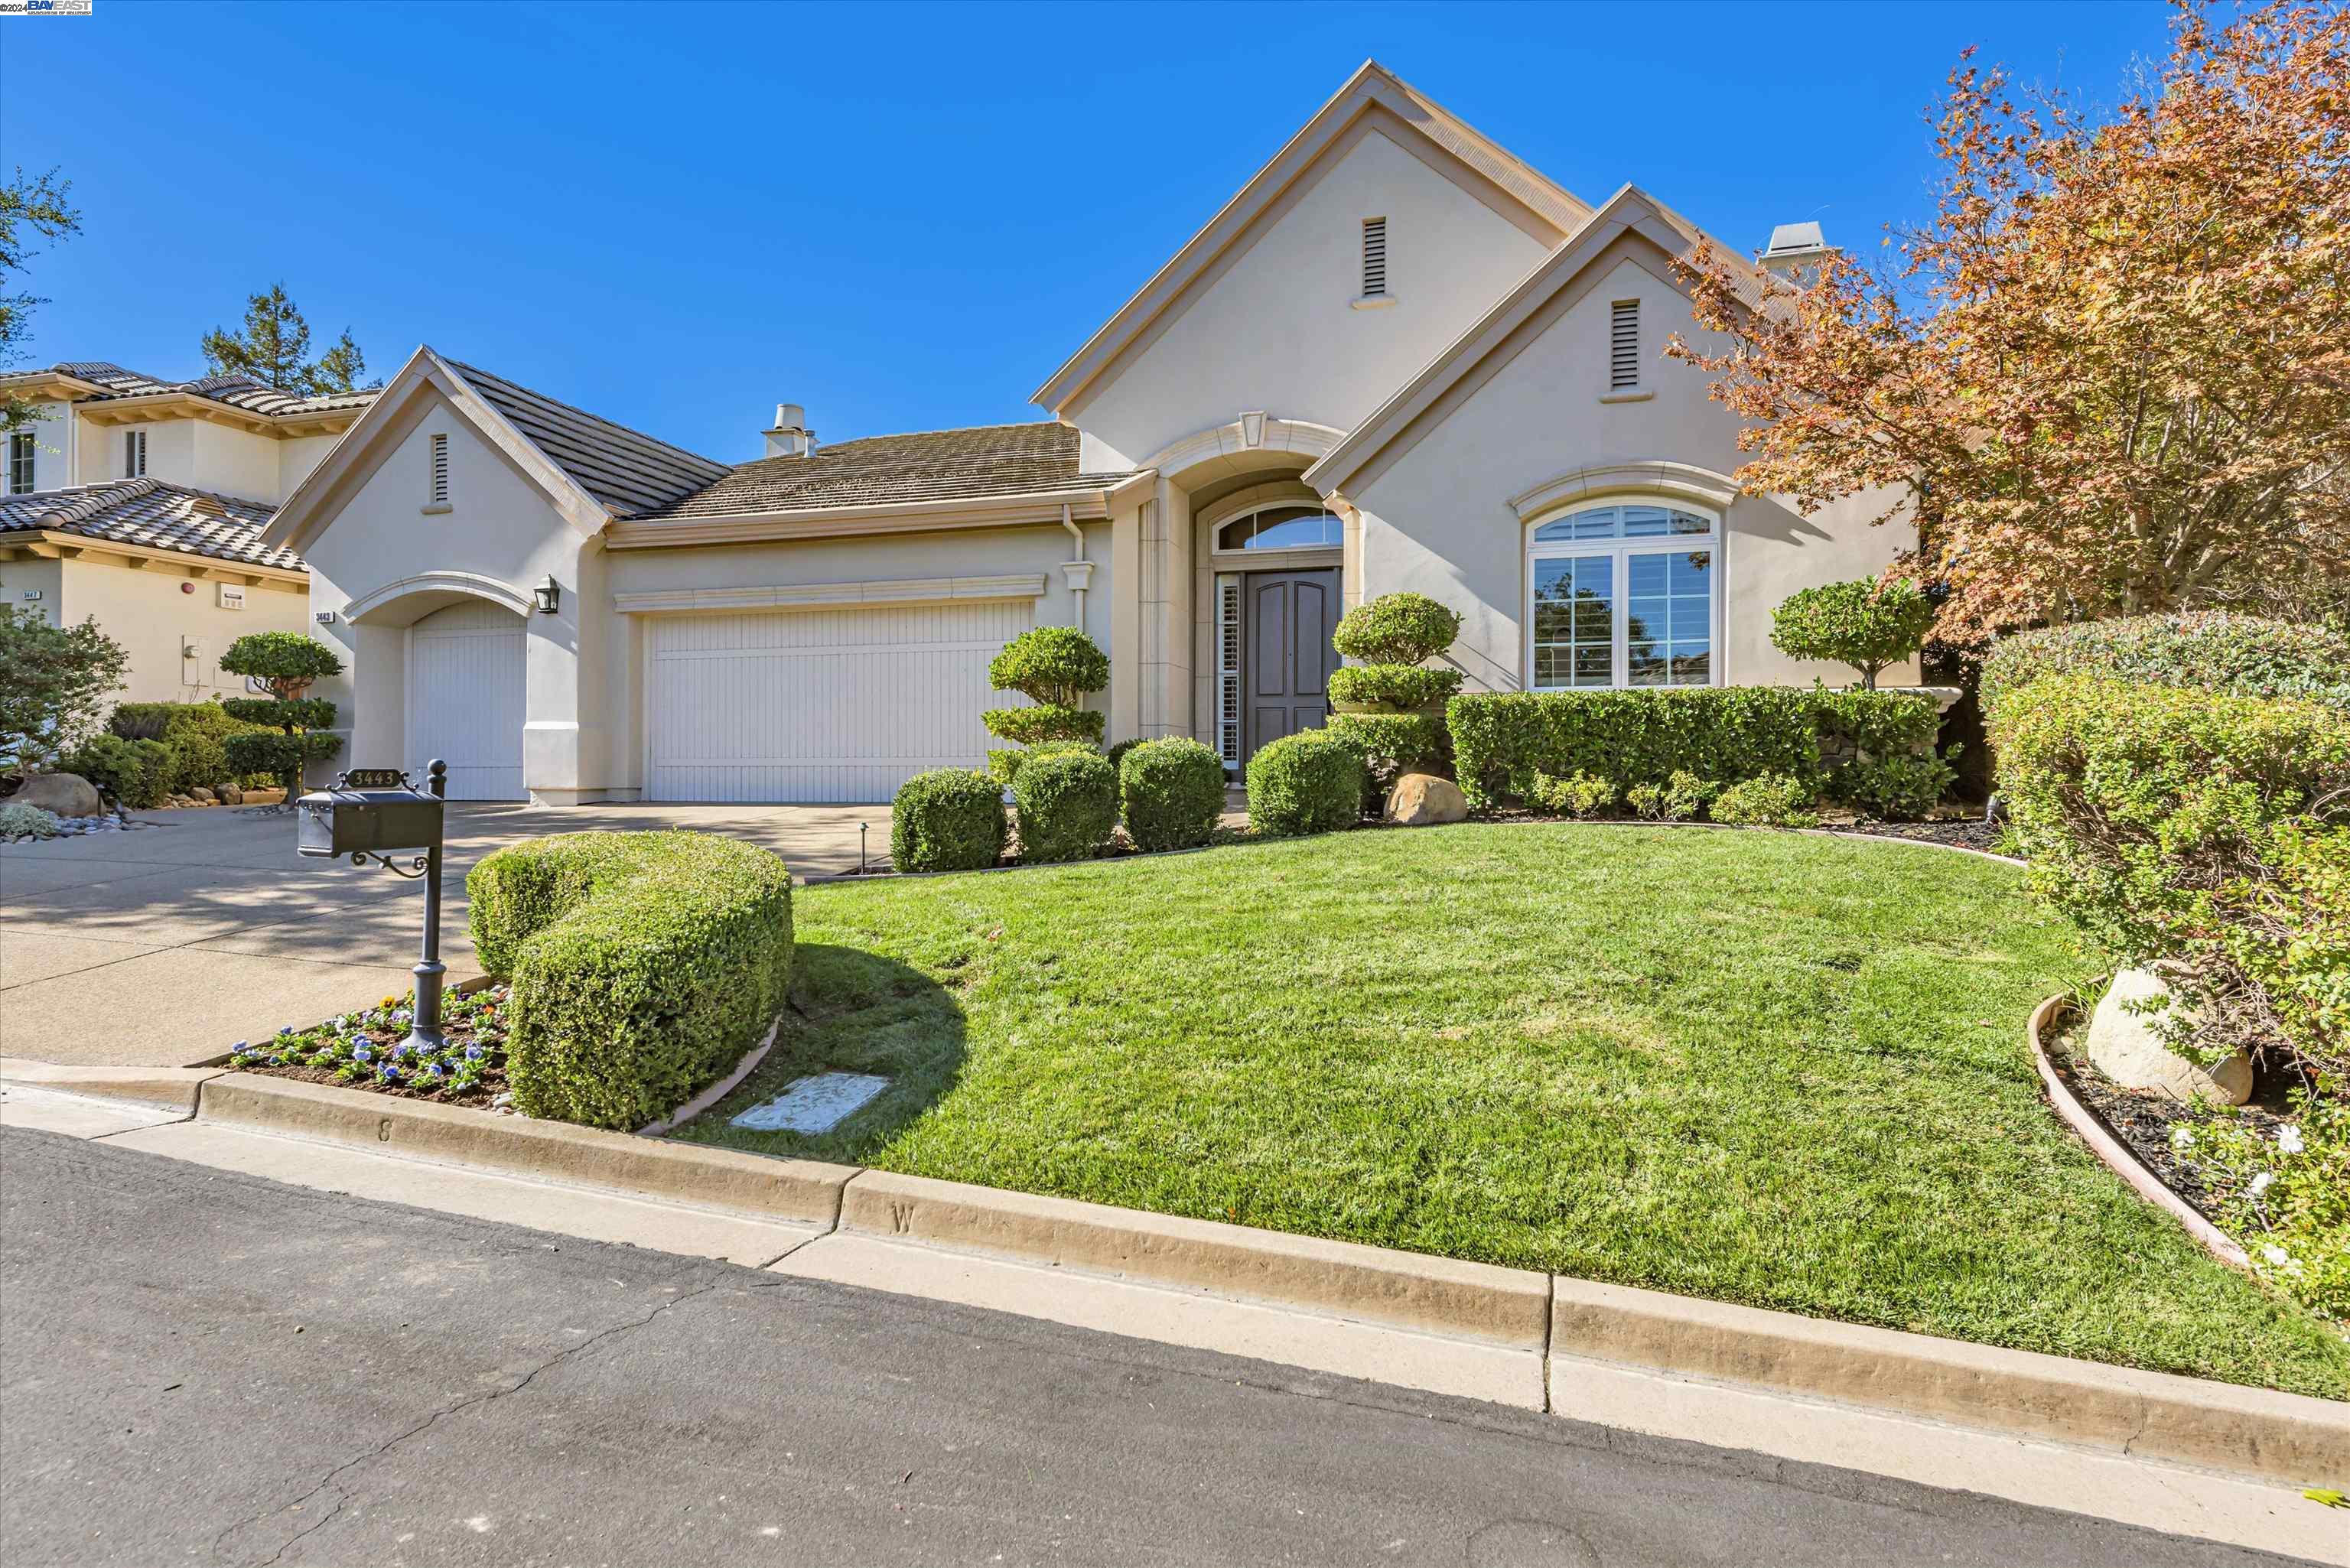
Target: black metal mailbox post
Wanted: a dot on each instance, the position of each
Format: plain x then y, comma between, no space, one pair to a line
370,814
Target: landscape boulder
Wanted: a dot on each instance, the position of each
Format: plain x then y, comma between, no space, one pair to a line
1424,800
67,794
2126,1044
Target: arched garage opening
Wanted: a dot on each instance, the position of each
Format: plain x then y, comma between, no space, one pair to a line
466,698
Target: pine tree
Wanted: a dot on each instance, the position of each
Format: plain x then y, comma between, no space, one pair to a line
273,349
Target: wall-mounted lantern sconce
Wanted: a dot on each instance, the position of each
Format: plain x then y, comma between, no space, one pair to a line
548,595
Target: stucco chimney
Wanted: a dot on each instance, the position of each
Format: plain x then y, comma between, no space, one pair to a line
1795,252
790,437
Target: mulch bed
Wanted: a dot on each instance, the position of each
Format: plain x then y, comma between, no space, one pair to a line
1970,832
381,1032
2144,1120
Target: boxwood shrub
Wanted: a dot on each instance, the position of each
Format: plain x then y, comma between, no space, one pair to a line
136,774
1171,793
643,965
1005,762
1722,733
2212,650
1400,686
1311,781
949,819
1067,803
2205,830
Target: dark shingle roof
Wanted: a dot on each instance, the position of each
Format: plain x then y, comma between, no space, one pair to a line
152,513
879,471
625,469
236,392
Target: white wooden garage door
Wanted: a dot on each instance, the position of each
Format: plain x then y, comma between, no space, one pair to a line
465,700
821,704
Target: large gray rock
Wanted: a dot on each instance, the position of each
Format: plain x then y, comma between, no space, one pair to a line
67,794
1423,800
2126,1044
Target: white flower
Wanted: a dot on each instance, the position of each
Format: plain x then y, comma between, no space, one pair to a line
2182,1138
2276,1255
2289,1140
2263,1182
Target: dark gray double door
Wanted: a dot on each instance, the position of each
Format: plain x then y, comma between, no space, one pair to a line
1285,653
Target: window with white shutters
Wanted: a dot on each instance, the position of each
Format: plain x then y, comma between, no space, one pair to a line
1624,345
1375,258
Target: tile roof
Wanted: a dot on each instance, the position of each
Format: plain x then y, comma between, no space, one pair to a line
626,469
236,392
879,471
155,515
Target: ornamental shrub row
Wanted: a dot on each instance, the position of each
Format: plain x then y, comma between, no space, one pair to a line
1725,734
2210,649
2206,830
643,965
1066,801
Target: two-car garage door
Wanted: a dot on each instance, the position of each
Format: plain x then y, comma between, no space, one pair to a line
827,704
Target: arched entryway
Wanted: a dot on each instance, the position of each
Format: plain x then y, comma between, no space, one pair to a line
464,699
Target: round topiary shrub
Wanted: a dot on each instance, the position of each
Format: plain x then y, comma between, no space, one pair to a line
1311,781
1171,793
1054,667
1396,628
1865,624
1395,688
949,819
1067,803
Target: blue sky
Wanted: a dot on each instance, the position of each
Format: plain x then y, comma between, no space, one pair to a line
905,217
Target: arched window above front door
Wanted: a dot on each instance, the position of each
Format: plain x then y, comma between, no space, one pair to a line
1623,593
1284,526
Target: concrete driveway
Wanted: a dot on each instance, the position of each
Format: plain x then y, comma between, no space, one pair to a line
167,944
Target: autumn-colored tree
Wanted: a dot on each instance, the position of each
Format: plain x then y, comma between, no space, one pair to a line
2112,375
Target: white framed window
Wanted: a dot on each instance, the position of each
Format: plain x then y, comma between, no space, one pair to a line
1622,345
134,455
1283,526
1623,592
437,488
20,463
1375,258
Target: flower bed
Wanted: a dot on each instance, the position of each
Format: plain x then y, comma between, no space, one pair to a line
367,1049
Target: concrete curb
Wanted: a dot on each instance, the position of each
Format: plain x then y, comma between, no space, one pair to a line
172,1087
1341,1279
2151,1415
796,1190
2116,1154
2268,1437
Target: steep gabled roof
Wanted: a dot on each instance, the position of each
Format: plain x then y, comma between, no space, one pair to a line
1629,210
626,469
880,470
153,514
1544,208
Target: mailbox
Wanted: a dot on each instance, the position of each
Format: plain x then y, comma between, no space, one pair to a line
368,811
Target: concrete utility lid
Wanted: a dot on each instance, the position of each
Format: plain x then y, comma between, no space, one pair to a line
815,1104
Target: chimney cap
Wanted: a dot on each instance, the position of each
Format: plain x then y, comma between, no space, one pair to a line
1793,239
790,417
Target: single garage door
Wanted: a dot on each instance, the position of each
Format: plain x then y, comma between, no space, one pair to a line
821,704
465,700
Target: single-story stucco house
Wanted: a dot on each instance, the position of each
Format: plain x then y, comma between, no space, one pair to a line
1399,359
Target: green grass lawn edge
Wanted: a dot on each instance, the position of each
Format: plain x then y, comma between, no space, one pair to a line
1778,1069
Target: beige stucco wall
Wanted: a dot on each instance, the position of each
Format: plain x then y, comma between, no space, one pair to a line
53,455
297,456
501,530
156,610
1437,514
1276,329
31,574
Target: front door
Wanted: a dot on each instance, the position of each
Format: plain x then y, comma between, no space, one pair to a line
1286,672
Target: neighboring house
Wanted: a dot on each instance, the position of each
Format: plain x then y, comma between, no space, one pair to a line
140,503
1399,358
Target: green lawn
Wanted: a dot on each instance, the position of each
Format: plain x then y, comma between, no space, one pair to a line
1771,1068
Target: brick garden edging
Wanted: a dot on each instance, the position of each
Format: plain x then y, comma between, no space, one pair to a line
2270,1437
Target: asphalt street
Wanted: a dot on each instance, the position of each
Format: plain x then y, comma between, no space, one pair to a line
204,1367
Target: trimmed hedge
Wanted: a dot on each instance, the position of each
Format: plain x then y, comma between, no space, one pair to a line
1005,762
1067,803
1400,686
1723,734
1396,628
949,819
2202,829
2210,649
1311,781
1044,724
643,966
1171,793
1393,744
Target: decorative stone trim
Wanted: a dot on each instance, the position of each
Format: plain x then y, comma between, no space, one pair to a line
818,596
472,584
1683,481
